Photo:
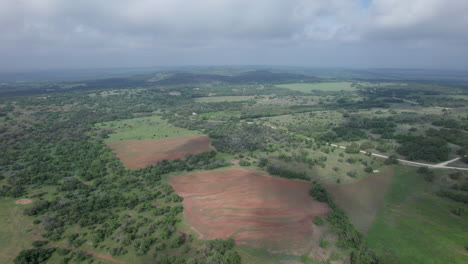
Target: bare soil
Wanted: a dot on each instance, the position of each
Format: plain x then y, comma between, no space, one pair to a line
140,153
255,210
23,201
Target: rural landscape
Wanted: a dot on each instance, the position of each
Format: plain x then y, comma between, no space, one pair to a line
235,165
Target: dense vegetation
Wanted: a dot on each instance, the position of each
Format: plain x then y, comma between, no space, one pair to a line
347,233
54,153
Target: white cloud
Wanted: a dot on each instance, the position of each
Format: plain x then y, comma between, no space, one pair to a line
29,29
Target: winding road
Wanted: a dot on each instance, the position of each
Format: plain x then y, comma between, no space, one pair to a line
442,165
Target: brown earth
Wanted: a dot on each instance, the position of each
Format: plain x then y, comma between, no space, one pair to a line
256,210
23,201
140,153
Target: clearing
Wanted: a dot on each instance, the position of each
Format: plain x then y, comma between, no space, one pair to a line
150,127
362,199
16,229
216,99
413,220
140,153
23,201
326,86
256,210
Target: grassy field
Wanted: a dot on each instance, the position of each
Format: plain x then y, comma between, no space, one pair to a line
16,229
215,99
326,86
221,115
362,199
152,127
416,226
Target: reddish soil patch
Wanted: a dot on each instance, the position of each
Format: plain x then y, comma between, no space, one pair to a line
361,200
140,153
256,210
23,201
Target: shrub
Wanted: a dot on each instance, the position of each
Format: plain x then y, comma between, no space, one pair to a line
34,256
244,163
319,221
40,243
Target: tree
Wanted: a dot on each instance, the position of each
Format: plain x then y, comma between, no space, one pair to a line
34,256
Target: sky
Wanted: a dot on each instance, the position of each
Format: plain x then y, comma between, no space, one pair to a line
67,34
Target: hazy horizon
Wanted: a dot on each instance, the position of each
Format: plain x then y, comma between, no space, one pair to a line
52,35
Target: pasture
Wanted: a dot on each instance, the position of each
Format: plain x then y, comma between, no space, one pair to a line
413,220
16,229
362,199
151,127
324,86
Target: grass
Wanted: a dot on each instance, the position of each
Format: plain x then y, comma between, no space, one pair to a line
221,115
215,99
326,86
16,229
362,199
416,226
151,127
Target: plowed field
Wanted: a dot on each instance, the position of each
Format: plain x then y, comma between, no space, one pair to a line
140,153
256,210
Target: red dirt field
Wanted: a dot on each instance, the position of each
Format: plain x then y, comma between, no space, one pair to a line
140,153
256,210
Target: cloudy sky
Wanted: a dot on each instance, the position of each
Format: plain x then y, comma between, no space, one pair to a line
51,34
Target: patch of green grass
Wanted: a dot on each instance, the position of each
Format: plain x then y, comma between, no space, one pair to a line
325,86
221,115
263,256
215,99
151,127
416,226
16,229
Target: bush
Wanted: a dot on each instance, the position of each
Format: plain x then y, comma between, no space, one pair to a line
353,149
320,194
34,256
429,177
40,243
392,159
323,243
352,174
244,163
278,170
319,221
456,196
263,162
455,175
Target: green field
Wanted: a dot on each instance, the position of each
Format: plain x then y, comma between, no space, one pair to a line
416,226
221,115
326,86
16,229
152,127
215,99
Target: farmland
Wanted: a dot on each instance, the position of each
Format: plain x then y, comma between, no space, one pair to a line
246,167
256,210
411,208
325,86
150,127
140,153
